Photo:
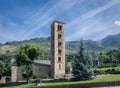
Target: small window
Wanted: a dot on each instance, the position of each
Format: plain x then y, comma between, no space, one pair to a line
59,28
59,51
59,59
59,44
59,36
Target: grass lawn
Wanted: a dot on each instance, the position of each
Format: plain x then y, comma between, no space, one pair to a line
101,79
118,67
19,86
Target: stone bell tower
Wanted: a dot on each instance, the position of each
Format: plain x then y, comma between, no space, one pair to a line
57,50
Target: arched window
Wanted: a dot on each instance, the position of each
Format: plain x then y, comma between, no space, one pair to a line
59,44
59,59
59,51
59,27
59,36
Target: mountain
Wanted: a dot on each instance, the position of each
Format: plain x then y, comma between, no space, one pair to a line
93,45
89,45
13,46
109,42
32,41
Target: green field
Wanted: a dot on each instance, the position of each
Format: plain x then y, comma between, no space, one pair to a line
100,79
19,86
117,68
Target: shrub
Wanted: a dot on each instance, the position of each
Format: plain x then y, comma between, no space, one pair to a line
46,77
108,71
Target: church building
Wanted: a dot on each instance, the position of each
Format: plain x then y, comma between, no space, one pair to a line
54,68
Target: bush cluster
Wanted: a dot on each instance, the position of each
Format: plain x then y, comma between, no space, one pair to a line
108,71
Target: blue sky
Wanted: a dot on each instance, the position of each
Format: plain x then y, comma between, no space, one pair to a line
89,19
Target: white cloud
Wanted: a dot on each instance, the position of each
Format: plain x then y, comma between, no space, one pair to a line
117,22
3,35
41,18
37,20
35,28
77,28
85,31
93,12
11,34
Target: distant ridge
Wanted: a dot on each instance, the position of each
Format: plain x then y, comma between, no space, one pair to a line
112,41
109,42
34,40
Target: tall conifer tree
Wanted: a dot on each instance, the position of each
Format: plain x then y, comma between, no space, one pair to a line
82,64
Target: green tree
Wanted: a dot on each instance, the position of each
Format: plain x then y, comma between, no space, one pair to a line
93,54
1,69
67,67
81,64
27,72
118,56
21,59
32,51
5,58
7,71
25,58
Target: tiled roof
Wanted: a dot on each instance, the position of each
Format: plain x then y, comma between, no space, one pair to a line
36,62
42,62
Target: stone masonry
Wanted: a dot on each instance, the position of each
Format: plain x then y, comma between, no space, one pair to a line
54,68
57,50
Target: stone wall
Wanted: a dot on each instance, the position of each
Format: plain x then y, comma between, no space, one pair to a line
39,71
16,74
42,70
